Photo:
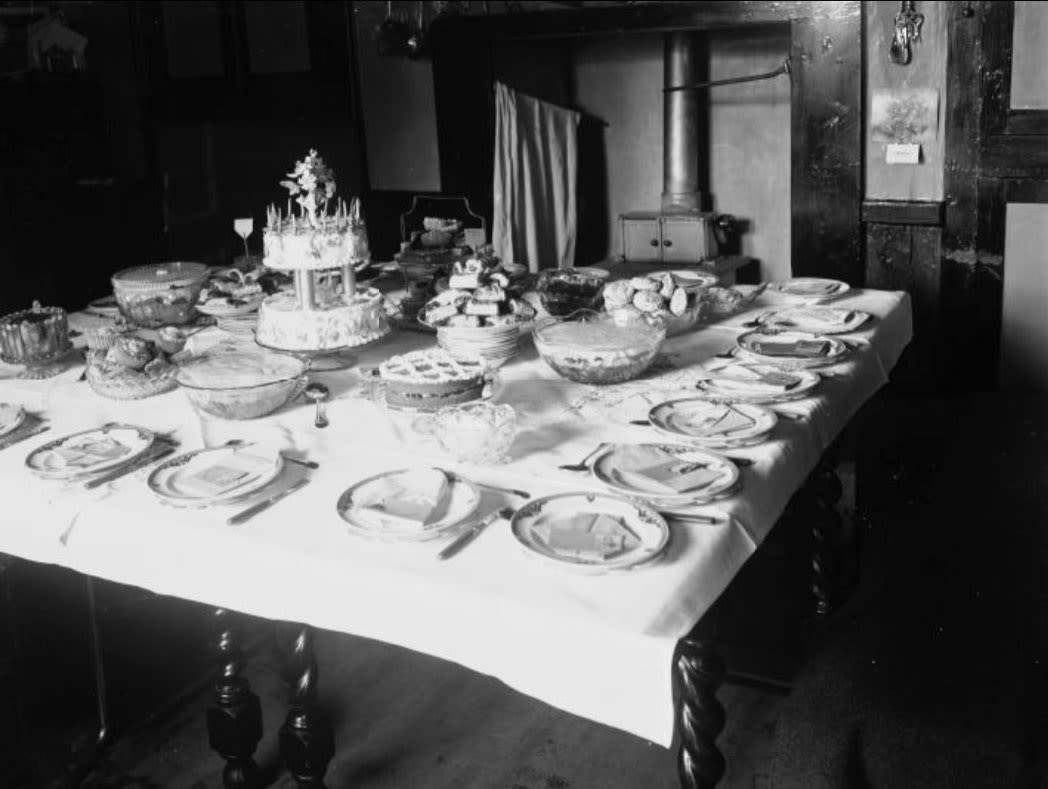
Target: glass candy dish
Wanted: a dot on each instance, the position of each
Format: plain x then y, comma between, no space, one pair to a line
476,432
599,348
35,338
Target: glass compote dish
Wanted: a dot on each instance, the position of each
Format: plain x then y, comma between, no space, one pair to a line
36,338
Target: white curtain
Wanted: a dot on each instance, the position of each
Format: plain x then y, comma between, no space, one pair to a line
536,161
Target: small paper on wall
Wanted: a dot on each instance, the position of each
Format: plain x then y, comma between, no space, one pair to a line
905,115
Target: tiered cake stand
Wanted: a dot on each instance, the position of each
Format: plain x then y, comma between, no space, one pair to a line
327,359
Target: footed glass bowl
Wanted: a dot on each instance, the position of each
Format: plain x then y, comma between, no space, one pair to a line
599,348
476,432
243,385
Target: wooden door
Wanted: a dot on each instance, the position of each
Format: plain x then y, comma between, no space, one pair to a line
995,270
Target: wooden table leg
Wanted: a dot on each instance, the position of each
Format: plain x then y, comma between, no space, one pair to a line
306,741
697,673
234,724
824,491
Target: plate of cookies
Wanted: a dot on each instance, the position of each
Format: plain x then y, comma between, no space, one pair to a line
131,369
678,298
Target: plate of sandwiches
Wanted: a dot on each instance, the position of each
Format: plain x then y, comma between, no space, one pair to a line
408,505
89,452
817,319
665,473
810,290
712,424
793,349
757,383
216,475
590,532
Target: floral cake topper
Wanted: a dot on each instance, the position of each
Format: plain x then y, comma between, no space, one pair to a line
312,184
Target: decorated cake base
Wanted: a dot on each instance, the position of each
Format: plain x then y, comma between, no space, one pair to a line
340,324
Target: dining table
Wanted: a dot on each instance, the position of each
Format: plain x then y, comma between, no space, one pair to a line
624,649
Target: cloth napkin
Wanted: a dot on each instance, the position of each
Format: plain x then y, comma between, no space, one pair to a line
587,535
818,318
654,470
413,500
207,476
747,380
812,288
719,421
792,348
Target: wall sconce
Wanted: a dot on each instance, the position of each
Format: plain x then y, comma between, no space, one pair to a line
907,33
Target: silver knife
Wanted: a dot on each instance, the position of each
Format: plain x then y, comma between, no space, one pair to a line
142,462
265,504
466,537
12,440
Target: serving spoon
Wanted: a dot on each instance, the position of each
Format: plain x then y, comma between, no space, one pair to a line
318,393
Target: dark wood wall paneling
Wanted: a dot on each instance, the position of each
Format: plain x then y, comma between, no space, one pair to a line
470,51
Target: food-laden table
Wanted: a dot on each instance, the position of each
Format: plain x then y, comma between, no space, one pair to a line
564,638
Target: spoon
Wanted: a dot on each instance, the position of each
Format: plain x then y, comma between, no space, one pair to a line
582,464
318,393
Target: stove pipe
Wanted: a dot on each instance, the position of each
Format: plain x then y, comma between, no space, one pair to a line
681,124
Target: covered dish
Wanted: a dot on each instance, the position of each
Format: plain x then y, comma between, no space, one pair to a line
163,294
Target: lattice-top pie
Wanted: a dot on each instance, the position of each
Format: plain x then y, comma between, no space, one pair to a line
431,379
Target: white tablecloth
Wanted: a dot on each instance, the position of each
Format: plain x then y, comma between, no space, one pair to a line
597,646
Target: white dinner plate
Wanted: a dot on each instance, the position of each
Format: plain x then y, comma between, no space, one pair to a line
818,319
463,499
640,532
712,424
811,290
175,480
12,417
608,469
741,382
58,459
756,344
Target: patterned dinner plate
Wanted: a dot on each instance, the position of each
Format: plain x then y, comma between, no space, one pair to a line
460,504
712,424
810,289
818,319
718,474
215,475
89,452
12,417
790,349
748,383
590,532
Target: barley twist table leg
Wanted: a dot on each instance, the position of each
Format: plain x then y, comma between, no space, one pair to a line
697,673
234,723
306,741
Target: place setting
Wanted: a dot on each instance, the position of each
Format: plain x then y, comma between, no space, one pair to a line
756,383
714,425
814,319
792,350
236,480
99,455
810,290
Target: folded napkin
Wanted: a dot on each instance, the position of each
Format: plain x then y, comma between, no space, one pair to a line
587,535
414,499
9,414
812,288
723,421
746,380
85,452
792,348
654,470
820,316
222,475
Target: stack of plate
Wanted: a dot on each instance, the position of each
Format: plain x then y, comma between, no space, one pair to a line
711,424
218,475
621,469
793,350
362,507
89,452
810,290
494,344
757,383
590,532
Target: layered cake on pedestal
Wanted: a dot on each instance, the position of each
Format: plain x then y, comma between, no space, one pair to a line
319,316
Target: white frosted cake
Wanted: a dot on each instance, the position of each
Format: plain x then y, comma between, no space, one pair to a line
284,325
318,317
